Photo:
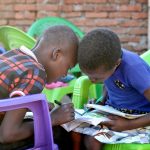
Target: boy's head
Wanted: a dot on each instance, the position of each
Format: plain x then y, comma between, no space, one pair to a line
56,50
99,54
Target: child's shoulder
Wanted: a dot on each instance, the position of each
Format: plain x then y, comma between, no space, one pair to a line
131,59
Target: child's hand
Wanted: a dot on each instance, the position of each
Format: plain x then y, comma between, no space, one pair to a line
62,114
117,123
50,106
91,101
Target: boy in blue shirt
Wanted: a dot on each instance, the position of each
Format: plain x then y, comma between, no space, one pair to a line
125,75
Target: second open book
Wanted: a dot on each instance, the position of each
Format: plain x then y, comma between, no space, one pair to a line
96,116
110,110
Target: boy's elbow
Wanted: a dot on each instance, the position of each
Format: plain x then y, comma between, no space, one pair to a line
7,137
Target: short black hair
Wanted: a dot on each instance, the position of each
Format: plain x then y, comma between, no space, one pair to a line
100,47
57,35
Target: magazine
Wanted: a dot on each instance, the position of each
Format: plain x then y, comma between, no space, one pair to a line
110,110
92,118
89,124
95,117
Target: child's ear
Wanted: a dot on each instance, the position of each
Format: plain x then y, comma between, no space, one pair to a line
118,62
56,54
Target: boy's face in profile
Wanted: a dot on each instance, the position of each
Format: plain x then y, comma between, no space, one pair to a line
65,60
99,75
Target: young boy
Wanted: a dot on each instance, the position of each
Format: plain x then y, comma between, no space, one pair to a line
125,75
24,72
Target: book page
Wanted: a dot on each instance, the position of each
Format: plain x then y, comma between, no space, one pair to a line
110,110
92,118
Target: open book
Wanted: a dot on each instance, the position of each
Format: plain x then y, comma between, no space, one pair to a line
91,118
96,116
110,110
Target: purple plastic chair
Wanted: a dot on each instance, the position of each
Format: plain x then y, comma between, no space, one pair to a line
43,137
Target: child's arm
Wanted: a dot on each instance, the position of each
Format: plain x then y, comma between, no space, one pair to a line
13,128
101,100
105,95
121,124
62,114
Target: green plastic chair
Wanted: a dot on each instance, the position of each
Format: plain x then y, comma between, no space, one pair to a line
126,147
59,93
82,90
12,38
146,56
37,28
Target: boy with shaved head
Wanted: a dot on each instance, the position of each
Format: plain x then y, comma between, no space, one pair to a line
24,72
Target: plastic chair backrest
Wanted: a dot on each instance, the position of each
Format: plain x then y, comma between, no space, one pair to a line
82,90
37,28
146,56
43,139
12,38
59,92
75,71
